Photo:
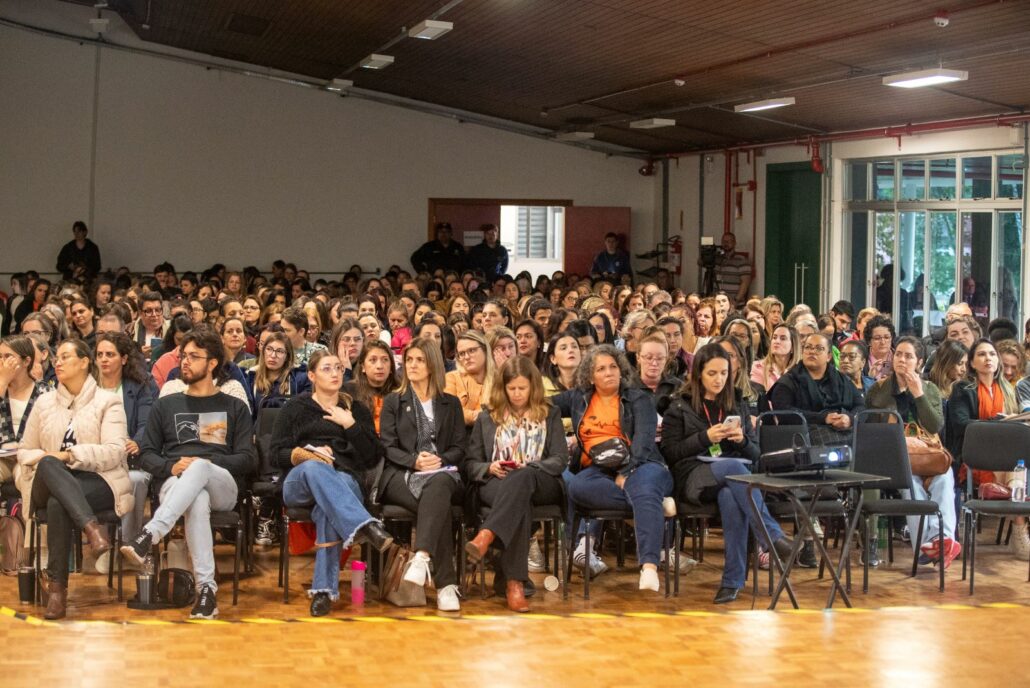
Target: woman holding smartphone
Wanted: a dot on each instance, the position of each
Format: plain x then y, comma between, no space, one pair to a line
517,453
706,424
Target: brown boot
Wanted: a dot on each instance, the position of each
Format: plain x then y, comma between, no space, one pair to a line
97,537
477,546
517,597
57,602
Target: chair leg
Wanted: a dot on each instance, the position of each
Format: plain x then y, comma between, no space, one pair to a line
965,543
1001,529
1008,533
571,537
703,525
972,552
237,557
39,562
284,537
559,550
940,550
865,554
620,557
918,541
586,562
547,527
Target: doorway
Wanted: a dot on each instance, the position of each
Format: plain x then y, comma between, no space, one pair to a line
793,208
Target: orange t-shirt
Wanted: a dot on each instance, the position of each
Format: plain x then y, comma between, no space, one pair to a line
600,423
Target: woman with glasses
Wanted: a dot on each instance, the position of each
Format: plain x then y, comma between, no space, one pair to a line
346,341
72,463
475,368
275,379
784,354
252,315
633,327
654,371
879,337
423,430
333,480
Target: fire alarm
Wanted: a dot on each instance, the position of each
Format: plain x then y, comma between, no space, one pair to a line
941,19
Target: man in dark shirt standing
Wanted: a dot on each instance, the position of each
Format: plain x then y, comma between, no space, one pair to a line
198,447
80,257
439,254
612,262
490,256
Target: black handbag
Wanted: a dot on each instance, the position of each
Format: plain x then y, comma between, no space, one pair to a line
610,455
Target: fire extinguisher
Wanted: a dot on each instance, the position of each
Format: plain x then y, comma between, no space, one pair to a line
675,261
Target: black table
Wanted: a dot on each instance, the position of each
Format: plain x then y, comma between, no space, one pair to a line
792,485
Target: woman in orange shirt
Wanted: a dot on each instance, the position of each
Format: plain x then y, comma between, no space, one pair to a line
475,370
375,377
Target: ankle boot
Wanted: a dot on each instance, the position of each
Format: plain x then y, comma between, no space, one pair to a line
97,537
57,600
477,546
376,536
516,597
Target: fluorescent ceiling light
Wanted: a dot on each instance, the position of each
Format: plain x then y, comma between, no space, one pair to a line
339,85
925,77
430,29
376,61
652,123
764,105
574,136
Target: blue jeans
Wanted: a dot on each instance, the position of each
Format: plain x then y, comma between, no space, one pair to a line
942,491
737,517
644,490
596,527
337,510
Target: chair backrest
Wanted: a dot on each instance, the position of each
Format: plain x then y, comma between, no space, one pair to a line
880,449
263,441
995,445
781,430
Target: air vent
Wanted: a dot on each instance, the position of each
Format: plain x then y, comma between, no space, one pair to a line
247,24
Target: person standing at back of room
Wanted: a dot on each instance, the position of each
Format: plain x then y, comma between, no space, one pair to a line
80,257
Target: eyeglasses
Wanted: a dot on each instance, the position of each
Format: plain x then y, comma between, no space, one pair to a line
352,340
274,351
807,348
152,311
193,358
330,369
881,338
850,355
466,353
653,360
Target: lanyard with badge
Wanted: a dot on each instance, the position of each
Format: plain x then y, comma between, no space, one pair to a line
715,449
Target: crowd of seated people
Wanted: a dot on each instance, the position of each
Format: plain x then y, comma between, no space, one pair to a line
420,388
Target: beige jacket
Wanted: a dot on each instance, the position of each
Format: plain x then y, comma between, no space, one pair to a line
98,419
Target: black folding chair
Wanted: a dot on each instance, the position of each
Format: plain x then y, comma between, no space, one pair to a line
110,519
880,449
990,446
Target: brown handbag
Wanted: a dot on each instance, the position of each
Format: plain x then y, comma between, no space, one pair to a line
927,455
394,588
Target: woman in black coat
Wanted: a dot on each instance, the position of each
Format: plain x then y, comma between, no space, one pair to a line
709,419
517,453
330,478
423,431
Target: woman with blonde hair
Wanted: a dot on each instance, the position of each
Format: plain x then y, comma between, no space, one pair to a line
472,376
784,354
517,453
772,309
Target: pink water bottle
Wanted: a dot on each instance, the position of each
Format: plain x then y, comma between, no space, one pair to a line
357,583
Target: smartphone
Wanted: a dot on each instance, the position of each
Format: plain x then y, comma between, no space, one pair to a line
155,342
733,421
509,464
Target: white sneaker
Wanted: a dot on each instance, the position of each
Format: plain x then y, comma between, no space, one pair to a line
579,559
1019,545
447,599
686,563
418,570
536,557
649,579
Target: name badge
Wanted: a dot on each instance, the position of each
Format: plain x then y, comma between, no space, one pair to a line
715,450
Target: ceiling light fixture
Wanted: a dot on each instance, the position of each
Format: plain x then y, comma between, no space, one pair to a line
430,29
574,136
339,85
377,61
652,123
759,105
925,77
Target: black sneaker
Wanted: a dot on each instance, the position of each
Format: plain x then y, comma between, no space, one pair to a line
138,549
807,558
206,606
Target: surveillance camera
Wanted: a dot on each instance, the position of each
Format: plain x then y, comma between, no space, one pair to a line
941,19
679,82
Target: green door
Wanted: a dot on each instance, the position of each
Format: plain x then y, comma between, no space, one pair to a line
793,206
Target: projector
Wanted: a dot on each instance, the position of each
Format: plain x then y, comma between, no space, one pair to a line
805,459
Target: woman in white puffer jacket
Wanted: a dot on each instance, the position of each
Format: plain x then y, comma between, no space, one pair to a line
72,462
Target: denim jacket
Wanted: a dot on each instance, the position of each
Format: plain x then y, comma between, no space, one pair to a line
637,416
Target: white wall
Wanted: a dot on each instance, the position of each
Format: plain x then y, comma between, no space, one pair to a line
197,166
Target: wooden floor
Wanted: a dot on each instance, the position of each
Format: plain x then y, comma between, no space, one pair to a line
902,633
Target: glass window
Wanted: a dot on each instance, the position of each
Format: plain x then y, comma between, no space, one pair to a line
1010,269
858,181
913,180
1010,175
976,264
976,177
883,261
859,295
883,173
943,243
911,271
942,179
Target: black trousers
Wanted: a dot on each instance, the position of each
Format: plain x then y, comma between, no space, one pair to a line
433,525
511,501
72,499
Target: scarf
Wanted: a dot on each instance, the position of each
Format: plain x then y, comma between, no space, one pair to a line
990,406
521,441
824,394
425,440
